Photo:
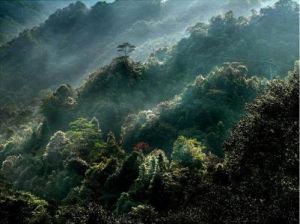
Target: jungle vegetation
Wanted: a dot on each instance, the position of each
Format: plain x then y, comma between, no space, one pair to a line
202,130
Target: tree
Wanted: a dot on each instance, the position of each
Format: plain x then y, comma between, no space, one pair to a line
188,152
121,180
84,134
21,207
262,154
126,49
54,150
266,139
142,147
56,104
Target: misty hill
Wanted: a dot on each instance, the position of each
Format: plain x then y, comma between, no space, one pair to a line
80,166
87,122
76,40
256,41
206,110
15,16
18,15
61,49
110,94
125,87
206,126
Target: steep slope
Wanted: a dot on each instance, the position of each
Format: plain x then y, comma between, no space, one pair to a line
76,40
15,16
18,15
125,87
78,125
61,49
19,207
258,180
267,42
109,95
91,167
206,110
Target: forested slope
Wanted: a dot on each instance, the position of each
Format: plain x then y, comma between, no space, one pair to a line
75,40
81,166
208,126
19,15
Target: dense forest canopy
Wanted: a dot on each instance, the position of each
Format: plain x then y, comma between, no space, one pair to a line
17,15
77,39
149,112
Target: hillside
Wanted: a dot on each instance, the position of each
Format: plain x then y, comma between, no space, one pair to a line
75,40
126,87
202,129
19,15
206,110
80,166
15,16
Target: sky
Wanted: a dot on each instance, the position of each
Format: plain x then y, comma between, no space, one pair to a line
86,2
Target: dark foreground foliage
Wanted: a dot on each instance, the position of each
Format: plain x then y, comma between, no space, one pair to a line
182,138
257,182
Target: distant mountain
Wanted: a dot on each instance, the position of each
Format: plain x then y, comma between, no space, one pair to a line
15,16
126,87
188,125
75,40
18,15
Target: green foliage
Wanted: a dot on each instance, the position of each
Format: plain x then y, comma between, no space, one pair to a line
122,179
261,163
19,15
171,121
20,207
125,204
77,165
148,186
38,138
96,177
61,54
59,184
247,40
188,153
84,135
57,103
60,165
145,213
84,130
54,150
257,181
205,110
109,95
154,164
92,213
262,152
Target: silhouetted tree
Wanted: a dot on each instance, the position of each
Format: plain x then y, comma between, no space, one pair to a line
126,49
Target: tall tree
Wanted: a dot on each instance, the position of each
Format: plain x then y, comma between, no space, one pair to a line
125,49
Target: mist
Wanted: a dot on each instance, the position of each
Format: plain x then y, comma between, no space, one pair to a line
149,111
96,46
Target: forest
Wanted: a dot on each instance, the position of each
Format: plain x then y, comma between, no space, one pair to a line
157,111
